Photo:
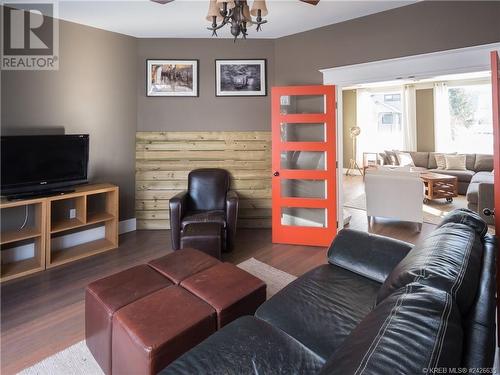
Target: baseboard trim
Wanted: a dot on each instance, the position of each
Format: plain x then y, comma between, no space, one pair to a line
126,226
18,253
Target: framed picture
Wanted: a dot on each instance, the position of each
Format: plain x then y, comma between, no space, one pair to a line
240,77
172,77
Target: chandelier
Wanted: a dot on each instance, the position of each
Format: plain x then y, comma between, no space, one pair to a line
236,13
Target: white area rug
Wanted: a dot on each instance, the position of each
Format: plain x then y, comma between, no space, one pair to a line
77,359
433,212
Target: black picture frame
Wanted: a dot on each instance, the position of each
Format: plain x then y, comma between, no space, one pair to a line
242,94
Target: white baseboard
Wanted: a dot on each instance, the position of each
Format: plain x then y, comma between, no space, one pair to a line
126,226
28,251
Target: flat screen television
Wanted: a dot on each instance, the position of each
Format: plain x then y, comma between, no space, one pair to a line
32,164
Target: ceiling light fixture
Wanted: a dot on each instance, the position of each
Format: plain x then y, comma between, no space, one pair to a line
236,13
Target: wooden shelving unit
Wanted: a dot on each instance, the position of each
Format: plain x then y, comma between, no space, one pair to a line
33,233
106,213
95,205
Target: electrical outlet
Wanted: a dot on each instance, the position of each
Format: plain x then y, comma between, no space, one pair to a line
72,213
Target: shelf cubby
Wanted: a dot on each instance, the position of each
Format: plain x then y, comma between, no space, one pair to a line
31,232
92,207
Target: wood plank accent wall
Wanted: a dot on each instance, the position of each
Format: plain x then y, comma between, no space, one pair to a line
164,159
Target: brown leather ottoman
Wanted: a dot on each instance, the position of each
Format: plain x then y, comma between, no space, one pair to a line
106,296
231,291
206,237
181,264
153,331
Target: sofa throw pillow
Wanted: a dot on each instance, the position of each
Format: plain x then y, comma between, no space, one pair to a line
404,159
385,158
484,163
392,157
440,161
455,162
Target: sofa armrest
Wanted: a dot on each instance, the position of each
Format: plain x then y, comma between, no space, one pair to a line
485,199
231,217
367,254
177,206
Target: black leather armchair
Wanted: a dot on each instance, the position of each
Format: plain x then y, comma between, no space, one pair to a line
207,200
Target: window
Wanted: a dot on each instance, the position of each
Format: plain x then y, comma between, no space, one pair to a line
471,118
380,117
466,126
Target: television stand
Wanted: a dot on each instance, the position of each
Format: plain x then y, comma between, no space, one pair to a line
88,207
39,194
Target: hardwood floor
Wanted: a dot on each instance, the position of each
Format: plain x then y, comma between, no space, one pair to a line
44,313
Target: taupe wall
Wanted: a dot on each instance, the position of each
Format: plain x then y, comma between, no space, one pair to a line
425,120
93,92
349,118
424,27
207,112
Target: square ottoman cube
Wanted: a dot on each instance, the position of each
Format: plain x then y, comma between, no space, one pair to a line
106,296
153,331
183,263
206,237
231,291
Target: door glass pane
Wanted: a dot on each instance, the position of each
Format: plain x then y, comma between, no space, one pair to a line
295,132
303,188
305,217
290,104
308,160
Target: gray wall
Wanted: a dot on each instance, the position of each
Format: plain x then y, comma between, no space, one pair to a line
424,27
207,112
93,92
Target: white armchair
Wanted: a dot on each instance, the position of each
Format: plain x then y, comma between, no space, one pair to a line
394,194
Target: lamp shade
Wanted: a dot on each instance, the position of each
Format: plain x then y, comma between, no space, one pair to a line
213,11
259,4
246,14
230,3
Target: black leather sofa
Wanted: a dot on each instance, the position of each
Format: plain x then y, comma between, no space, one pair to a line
380,306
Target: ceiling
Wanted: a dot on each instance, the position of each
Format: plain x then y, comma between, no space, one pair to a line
186,18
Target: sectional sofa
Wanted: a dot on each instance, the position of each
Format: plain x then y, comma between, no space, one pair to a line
476,182
380,306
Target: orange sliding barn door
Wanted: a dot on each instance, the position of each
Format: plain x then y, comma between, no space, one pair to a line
304,191
495,84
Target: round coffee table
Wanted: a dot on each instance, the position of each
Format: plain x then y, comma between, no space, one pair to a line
438,186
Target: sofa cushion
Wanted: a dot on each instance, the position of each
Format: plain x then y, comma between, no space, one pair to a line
462,176
213,216
367,254
484,163
448,259
483,177
467,217
470,161
247,346
420,159
321,307
415,329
